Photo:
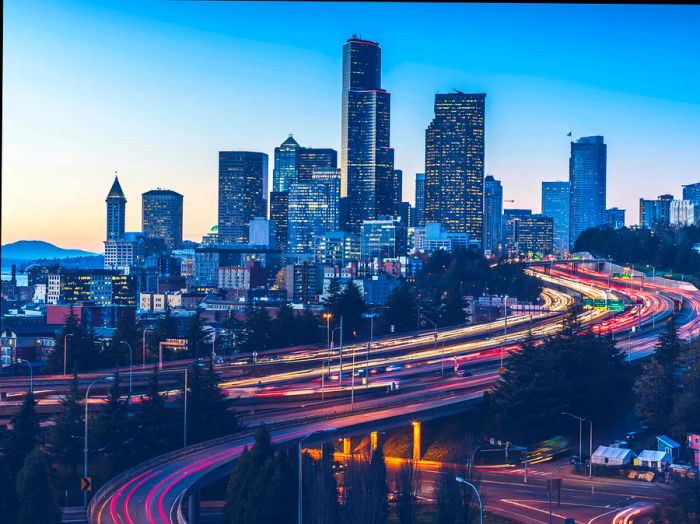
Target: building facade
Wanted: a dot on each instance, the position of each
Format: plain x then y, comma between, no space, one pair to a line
684,213
336,248
454,164
116,211
493,210
692,192
420,199
556,204
242,193
616,218
161,216
382,238
588,183
655,214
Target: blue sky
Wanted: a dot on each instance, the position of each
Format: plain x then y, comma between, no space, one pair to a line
155,89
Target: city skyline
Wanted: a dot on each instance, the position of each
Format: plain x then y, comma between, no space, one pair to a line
173,142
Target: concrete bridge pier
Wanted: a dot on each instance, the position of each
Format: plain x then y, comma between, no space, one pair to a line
373,441
416,441
193,508
347,448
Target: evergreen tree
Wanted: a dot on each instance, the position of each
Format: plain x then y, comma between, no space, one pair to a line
669,348
66,438
8,495
401,310
111,434
350,307
37,504
451,311
154,424
307,329
379,487
654,396
23,436
117,354
74,337
686,410
167,326
332,297
197,345
209,412
283,333
319,482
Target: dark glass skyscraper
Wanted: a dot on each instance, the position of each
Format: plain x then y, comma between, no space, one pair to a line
313,209
161,216
285,171
588,179
556,204
655,214
692,192
367,160
454,164
242,193
116,211
420,199
493,209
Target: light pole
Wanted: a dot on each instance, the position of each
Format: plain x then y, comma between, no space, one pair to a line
31,374
85,451
369,344
505,329
131,365
481,506
143,346
580,440
327,430
629,344
65,350
184,410
328,360
435,337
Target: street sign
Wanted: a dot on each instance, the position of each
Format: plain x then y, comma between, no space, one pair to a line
599,303
616,305
501,370
587,302
85,484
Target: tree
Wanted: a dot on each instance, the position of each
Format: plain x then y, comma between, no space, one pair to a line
23,436
79,342
684,504
8,495
111,434
117,354
319,480
448,496
196,337
332,297
686,410
66,438
350,307
400,312
669,347
654,396
408,486
154,424
451,311
209,412
256,330
167,326
283,328
37,505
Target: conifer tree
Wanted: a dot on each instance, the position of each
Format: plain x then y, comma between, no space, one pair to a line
23,436
37,501
66,438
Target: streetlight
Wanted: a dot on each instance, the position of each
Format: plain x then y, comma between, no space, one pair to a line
505,329
435,337
65,350
131,365
481,506
590,443
85,452
328,360
327,430
369,344
629,344
31,374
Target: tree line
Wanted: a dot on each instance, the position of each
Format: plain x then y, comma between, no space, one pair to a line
40,466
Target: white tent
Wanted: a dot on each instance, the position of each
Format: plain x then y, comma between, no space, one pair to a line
653,459
606,456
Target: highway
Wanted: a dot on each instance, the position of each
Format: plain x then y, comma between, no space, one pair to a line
154,492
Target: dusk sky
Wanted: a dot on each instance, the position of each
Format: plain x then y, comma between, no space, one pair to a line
155,89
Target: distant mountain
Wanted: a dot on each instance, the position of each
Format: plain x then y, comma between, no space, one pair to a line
34,249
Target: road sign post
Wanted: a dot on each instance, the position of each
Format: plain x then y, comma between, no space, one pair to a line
85,484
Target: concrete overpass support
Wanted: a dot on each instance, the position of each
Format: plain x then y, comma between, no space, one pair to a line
373,441
347,448
193,508
416,441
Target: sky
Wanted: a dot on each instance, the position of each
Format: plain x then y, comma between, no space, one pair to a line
154,90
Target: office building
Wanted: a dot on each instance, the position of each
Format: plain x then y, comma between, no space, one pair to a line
692,192
367,160
286,170
127,252
655,214
616,218
434,236
279,214
161,216
493,209
588,179
313,159
397,192
556,204
509,228
242,193
262,232
420,199
528,234
116,211
454,164
313,209
382,238
684,213
336,248
99,286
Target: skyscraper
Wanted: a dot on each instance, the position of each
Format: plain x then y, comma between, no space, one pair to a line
285,170
616,217
588,179
312,159
692,192
655,214
454,164
161,216
116,211
420,199
493,209
556,204
242,193
367,160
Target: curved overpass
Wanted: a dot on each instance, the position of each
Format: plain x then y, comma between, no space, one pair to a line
153,492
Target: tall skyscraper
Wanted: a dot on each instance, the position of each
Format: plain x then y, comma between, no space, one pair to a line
279,214
116,211
454,164
588,179
692,192
312,159
420,199
242,193
367,160
655,214
285,170
556,204
161,216
493,209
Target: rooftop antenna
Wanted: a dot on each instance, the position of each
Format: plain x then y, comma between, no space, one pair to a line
457,91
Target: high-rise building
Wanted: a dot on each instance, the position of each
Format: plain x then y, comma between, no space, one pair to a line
588,179
684,213
285,170
262,232
454,164
242,193
556,204
655,214
116,211
279,211
509,232
367,160
420,199
313,209
616,218
382,238
336,248
692,192
533,235
161,216
493,209
312,159
397,192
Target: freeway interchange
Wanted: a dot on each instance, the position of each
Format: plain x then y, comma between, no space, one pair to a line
294,393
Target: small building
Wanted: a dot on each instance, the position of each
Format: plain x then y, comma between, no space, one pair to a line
656,460
607,456
668,445
694,445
